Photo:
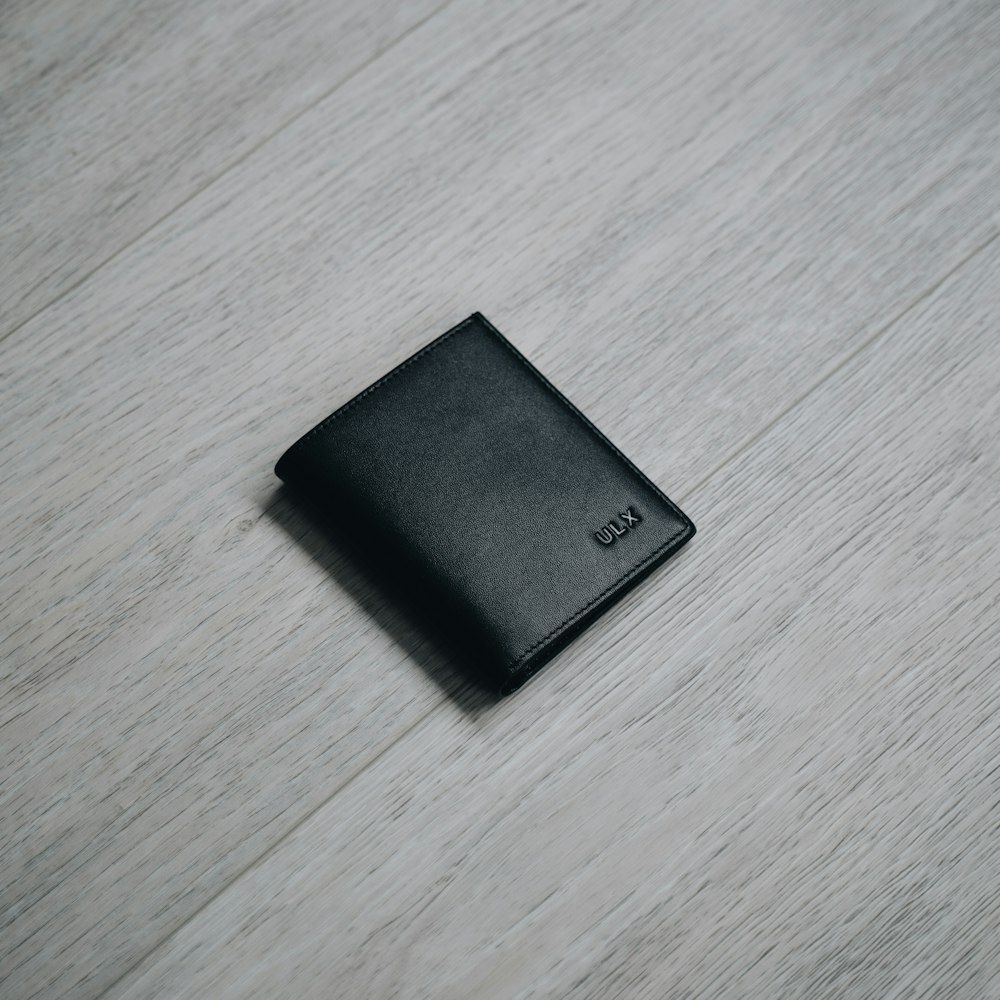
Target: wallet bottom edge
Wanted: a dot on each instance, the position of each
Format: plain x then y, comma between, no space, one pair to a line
526,668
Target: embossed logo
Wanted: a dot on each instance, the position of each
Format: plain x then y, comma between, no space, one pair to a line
627,520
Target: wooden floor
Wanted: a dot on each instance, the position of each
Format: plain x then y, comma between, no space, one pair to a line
757,243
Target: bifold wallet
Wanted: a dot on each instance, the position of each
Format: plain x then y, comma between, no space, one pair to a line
481,490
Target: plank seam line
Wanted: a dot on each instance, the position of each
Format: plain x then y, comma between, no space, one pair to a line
264,854
838,366
868,343
242,158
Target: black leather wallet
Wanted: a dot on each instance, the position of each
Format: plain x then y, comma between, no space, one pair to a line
481,489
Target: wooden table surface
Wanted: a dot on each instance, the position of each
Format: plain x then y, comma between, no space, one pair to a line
756,242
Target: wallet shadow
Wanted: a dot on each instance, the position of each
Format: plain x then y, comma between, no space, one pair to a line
398,608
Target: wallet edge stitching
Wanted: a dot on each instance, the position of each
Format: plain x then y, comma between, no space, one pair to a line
341,410
681,534
686,531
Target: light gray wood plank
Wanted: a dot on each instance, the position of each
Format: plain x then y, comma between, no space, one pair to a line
684,224
113,114
775,773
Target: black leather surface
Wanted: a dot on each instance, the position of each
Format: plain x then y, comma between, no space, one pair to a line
468,476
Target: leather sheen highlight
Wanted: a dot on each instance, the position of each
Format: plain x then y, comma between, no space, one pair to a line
487,495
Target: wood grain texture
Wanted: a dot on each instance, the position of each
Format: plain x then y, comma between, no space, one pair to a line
113,114
684,224
774,774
